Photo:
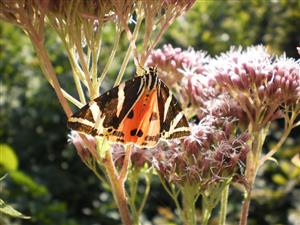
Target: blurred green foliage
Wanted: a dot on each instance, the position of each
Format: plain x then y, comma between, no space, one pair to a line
215,25
46,179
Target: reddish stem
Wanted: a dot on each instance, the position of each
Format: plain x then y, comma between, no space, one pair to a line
118,189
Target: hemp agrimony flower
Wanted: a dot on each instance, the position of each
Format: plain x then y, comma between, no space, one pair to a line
260,84
266,88
202,164
174,63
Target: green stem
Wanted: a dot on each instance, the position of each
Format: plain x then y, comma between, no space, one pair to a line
252,166
83,63
133,183
224,201
172,193
71,99
76,74
129,51
133,179
188,200
95,56
147,190
205,216
206,210
112,55
289,124
123,66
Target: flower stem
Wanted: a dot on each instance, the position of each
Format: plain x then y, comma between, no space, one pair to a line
224,201
289,126
173,193
131,47
118,188
146,192
245,208
206,210
252,166
112,55
133,184
188,200
49,72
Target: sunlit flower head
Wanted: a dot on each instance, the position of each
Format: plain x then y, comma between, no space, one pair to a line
257,81
174,63
239,69
210,154
286,80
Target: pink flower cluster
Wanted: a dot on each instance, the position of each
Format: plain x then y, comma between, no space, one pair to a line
171,61
250,84
234,89
259,82
210,154
286,79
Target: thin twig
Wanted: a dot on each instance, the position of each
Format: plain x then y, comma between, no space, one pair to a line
146,192
132,38
72,99
112,55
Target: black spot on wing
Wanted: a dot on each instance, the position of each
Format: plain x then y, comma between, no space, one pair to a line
130,115
120,140
140,133
136,132
133,132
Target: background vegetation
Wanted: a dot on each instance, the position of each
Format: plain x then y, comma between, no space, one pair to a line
47,180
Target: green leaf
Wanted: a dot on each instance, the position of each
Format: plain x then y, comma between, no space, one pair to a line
10,211
8,158
26,181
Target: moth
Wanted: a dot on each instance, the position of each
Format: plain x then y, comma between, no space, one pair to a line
141,111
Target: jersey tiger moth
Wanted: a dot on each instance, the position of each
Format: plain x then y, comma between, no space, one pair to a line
140,111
